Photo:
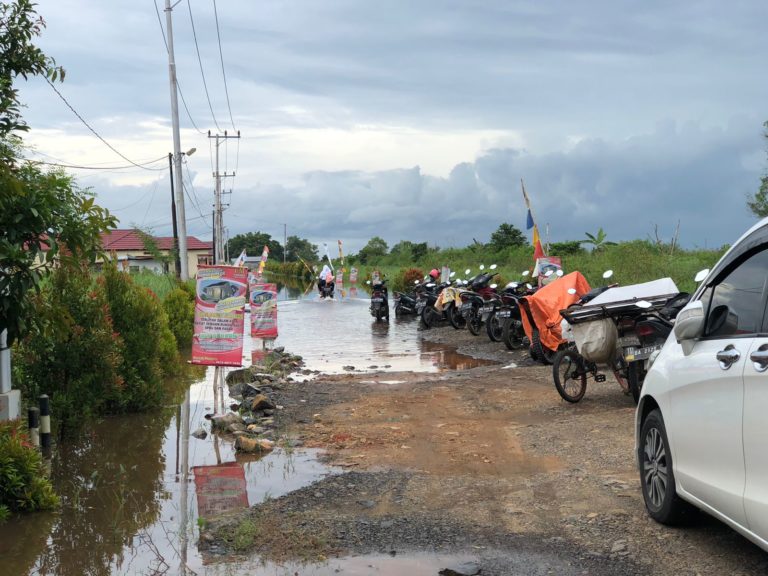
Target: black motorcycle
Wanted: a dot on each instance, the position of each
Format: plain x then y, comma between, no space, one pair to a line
326,288
379,303
406,303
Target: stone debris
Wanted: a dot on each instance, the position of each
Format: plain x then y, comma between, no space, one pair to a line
463,569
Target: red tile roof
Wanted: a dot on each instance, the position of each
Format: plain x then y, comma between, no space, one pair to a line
130,240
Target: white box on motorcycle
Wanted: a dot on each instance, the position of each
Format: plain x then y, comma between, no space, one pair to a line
596,340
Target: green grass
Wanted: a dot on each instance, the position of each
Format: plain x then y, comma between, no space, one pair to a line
160,284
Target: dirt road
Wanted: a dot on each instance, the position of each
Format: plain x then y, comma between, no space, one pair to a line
488,462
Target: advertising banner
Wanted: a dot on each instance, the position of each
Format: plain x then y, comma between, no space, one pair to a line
353,276
219,316
263,262
547,269
263,310
339,279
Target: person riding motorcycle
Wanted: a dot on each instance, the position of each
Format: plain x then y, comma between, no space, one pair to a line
325,279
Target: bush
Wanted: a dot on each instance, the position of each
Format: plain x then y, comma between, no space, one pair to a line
179,306
24,486
72,353
150,347
403,281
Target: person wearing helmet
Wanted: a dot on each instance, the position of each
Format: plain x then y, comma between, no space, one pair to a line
434,274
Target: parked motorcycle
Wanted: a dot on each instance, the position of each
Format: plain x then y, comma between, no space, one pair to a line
432,309
479,301
379,304
326,288
405,303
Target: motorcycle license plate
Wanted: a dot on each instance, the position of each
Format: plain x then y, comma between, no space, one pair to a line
486,309
629,342
375,300
504,314
635,354
420,305
466,307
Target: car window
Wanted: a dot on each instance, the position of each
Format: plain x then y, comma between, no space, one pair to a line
736,304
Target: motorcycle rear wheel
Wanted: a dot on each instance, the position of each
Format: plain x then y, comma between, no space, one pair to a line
494,328
570,375
539,351
635,377
513,335
455,317
429,317
474,322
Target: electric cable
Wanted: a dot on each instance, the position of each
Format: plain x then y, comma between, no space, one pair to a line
76,113
200,61
78,167
221,56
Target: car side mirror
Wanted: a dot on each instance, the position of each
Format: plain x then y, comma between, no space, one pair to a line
700,275
689,323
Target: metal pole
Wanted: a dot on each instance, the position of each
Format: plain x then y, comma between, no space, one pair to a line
285,241
217,241
45,424
5,363
179,191
176,259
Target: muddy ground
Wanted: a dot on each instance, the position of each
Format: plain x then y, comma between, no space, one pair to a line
487,462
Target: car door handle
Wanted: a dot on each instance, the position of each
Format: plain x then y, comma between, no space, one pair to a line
728,356
760,358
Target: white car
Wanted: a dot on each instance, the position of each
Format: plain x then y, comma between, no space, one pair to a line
702,419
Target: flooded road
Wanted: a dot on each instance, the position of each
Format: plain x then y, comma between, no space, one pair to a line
135,489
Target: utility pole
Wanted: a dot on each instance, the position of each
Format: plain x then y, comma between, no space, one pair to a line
179,190
176,258
218,239
285,241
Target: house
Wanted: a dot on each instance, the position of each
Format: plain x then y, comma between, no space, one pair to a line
132,252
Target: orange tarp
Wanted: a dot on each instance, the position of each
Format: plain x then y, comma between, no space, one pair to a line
546,304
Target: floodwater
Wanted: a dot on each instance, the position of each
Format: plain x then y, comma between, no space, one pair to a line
134,488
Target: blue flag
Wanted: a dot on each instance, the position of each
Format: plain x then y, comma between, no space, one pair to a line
529,222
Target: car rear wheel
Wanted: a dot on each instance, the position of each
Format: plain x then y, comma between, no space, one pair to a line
657,477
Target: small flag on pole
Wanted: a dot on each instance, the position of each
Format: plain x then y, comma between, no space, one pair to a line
538,251
240,259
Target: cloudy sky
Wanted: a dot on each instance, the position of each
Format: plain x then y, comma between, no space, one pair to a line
417,120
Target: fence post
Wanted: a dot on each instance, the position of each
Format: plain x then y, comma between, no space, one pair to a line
33,420
45,424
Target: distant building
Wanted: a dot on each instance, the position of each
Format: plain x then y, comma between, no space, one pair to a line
130,251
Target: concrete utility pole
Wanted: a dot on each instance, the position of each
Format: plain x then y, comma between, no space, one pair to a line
285,241
179,189
218,219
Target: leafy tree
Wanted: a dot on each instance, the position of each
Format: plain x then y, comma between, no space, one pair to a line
758,202
507,236
598,241
296,248
376,248
254,243
566,248
410,251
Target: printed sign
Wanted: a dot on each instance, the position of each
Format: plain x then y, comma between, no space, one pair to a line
340,279
544,266
263,310
353,276
219,316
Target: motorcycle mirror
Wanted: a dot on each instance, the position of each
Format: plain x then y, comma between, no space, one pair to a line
493,266
644,304
452,274
526,272
548,273
511,285
559,273
431,285
467,271
571,291
494,286
607,274
368,282
701,274
529,287
482,266
415,282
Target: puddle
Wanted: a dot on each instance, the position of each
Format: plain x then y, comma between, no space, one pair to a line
409,564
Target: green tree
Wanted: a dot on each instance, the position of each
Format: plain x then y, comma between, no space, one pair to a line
507,236
567,248
376,248
254,243
758,202
598,241
296,248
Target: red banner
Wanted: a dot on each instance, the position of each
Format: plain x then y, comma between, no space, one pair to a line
219,316
263,310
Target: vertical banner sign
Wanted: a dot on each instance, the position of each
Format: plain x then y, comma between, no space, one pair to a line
445,274
339,278
547,264
264,255
263,310
219,316
353,276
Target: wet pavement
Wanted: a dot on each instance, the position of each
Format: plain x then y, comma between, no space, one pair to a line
135,491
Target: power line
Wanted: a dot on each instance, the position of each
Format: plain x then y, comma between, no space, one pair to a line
107,144
178,85
202,73
75,166
221,56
